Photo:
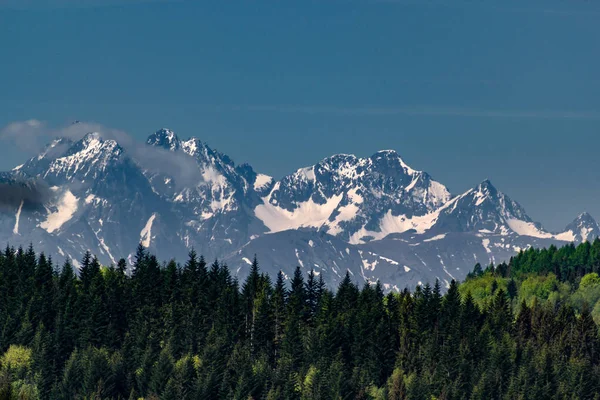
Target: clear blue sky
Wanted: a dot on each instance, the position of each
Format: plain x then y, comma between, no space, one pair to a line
464,89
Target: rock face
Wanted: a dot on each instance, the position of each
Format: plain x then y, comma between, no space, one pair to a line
375,217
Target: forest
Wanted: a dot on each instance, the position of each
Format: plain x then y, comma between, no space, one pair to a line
524,329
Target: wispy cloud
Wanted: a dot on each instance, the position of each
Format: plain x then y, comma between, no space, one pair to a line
421,111
31,135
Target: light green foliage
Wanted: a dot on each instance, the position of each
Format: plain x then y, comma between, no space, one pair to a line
589,280
588,293
197,362
395,385
481,288
104,270
16,358
596,313
17,363
376,393
542,288
308,386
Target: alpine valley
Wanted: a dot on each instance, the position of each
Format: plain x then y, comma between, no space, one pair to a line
375,217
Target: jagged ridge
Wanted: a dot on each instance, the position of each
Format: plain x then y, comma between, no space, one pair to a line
384,219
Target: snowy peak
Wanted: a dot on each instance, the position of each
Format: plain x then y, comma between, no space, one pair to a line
486,190
583,228
390,160
384,175
583,219
94,143
88,157
165,138
486,210
193,147
486,196
55,149
39,164
356,199
374,215
216,198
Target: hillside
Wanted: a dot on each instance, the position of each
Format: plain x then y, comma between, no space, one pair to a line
171,332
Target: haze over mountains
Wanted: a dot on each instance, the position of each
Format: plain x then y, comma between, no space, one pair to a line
375,217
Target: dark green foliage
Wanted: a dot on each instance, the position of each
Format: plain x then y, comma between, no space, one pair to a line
172,332
569,263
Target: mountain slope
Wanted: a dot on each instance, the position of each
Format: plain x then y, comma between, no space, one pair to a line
101,201
375,217
357,199
583,228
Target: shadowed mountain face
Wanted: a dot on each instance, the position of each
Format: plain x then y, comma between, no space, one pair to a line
375,217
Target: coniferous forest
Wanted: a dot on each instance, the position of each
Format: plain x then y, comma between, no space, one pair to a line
518,330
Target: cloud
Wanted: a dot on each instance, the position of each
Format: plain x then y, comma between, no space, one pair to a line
26,135
30,193
426,111
32,135
179,165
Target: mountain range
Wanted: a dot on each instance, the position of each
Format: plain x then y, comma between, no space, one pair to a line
375,217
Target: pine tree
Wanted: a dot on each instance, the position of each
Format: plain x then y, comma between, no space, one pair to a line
42,310
44,362
511,289
162,372
292,348
88,270
66,301
279,308
250,289
311,298
586,336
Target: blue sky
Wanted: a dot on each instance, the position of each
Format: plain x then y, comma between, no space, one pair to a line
464,89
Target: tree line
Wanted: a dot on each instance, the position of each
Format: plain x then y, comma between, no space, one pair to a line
165,331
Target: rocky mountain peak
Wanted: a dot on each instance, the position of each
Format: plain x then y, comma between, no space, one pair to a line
583,228
166,139
378,217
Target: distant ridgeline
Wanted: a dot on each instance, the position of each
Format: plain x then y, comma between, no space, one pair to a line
521,330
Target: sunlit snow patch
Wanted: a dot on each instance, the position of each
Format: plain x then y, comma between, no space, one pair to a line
66,208
261,181
527,229
146,233
306,214
486,245
438,237
18,217
397,224
568,236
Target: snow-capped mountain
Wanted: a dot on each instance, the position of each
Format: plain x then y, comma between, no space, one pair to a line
101,201
375,217
486,210
356,199
214,202
583,228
